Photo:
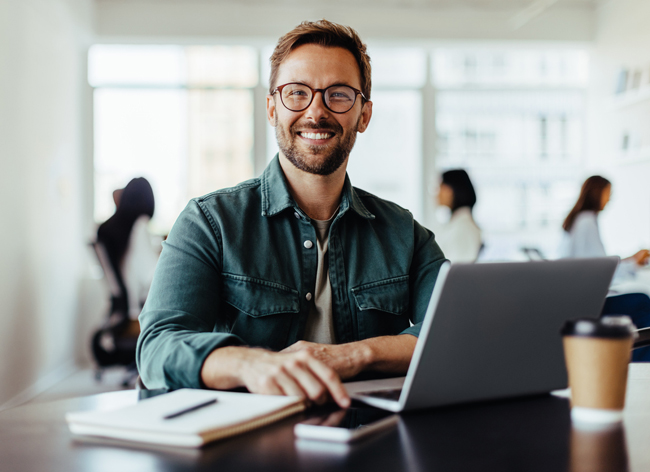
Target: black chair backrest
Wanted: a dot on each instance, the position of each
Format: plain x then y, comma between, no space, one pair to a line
116,286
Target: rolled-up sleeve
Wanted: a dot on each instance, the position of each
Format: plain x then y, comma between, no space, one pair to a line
181,313
426,263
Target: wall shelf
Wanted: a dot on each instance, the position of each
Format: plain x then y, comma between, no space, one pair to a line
631,98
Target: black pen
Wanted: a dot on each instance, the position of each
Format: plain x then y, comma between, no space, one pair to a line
190,408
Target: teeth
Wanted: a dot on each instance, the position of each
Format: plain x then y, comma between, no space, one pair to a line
316,135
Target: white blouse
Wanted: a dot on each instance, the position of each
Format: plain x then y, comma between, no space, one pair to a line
460,238
583,240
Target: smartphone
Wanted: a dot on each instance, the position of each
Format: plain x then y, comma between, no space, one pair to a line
346,425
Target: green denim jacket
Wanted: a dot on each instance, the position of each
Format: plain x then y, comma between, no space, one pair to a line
236,270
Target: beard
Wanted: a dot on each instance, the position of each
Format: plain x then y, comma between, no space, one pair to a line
332,159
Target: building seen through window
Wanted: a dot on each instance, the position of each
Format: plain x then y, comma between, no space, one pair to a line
180,116
514,119
185,118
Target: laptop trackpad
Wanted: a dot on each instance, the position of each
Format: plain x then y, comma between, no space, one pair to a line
374,385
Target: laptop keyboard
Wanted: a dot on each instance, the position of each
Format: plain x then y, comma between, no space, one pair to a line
393,394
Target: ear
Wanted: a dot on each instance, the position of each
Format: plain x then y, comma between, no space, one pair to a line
270,109
366,114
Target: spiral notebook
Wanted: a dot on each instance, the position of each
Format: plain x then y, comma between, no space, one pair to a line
205,416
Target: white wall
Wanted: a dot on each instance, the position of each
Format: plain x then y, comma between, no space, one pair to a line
622,40
44,181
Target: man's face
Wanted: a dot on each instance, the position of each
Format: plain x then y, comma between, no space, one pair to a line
316,140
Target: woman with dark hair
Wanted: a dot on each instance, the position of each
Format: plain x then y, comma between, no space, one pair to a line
127,242
582,236
460,238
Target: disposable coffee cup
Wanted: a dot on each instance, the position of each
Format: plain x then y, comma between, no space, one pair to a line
597,355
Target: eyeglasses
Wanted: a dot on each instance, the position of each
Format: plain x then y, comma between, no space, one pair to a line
337,98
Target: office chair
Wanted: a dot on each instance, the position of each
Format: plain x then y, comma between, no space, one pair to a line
637,307
114,343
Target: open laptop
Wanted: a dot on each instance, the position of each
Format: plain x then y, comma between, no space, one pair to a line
493,331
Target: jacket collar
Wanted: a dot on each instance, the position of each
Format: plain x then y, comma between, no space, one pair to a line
276,197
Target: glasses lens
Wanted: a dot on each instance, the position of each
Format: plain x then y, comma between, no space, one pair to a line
340,98
296,97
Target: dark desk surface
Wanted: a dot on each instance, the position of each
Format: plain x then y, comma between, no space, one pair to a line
532,434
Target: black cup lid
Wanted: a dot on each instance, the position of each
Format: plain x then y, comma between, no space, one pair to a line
618,326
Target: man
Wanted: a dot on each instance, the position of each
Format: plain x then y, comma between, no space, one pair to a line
290,282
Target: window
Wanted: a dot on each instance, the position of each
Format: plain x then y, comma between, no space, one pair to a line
182,117
387,158
514,119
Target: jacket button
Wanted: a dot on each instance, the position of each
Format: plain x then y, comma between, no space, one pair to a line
308,296
295,213
308,244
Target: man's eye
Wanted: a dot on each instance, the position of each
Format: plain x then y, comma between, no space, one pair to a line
297,93
340,96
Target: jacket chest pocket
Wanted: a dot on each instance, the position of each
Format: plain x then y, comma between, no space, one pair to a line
264,310
382,306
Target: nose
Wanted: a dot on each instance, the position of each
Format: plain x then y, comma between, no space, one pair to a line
317,110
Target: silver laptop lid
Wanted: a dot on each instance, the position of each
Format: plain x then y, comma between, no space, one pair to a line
492,330
424,332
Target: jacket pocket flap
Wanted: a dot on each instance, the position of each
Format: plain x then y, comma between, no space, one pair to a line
388,295
256,297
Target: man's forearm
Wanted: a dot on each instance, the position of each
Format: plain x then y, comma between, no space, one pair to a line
222,368
388,354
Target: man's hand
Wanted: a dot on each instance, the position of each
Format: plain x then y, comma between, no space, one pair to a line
347,360
286,373
388,354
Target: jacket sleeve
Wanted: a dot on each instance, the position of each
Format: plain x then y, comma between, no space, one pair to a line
179,318
426,263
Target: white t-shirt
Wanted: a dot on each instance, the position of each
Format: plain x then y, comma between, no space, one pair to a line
320,321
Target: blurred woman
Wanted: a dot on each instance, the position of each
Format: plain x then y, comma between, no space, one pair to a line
128,243
460,238
582,236
582,239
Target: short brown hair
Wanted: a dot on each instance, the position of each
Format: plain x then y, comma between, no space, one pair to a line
327,34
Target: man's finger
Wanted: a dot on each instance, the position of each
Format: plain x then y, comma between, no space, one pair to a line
315,389
332,381
289,385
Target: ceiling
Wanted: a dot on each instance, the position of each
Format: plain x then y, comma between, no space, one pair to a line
558,20
486,5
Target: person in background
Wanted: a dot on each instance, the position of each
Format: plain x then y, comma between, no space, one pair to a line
582,239
581,233
291,282
460,238
128,243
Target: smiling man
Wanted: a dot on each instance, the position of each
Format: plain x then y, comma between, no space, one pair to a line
288,283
